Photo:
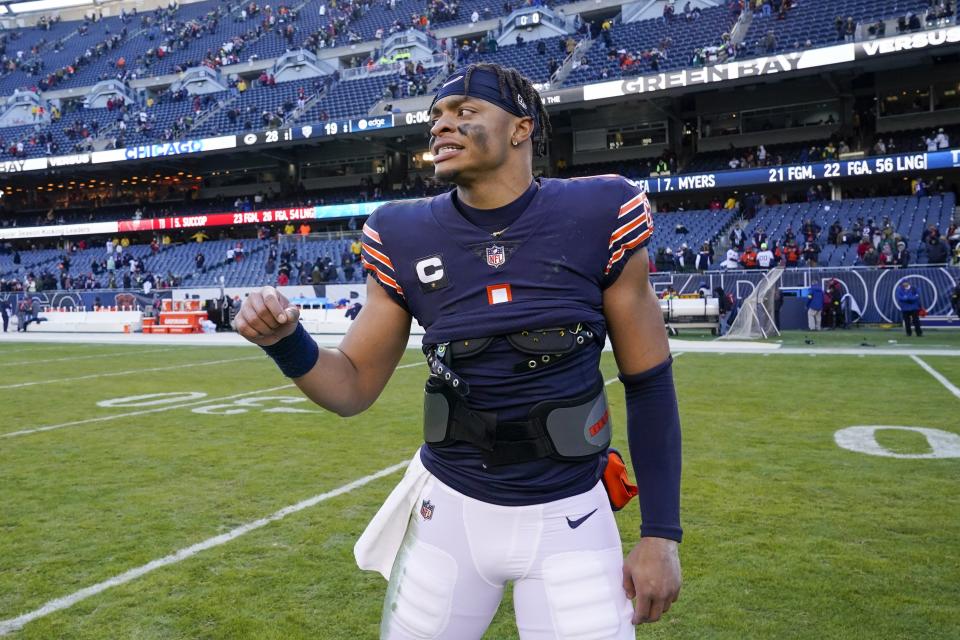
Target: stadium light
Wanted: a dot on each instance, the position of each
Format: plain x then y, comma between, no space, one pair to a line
427,156
47,5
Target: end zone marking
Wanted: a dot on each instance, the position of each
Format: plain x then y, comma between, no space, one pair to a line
939,377
14,624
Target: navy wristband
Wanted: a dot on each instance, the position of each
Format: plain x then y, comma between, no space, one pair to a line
653,432
296,354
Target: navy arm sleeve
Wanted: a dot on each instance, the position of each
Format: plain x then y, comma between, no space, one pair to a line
653,431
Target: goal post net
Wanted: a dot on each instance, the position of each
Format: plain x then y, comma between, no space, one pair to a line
756,313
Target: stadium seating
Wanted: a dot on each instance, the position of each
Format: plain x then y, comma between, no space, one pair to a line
342,98
720,160
909,216
254,102
29,261
196,31
524,58
635,37
914,139
815,21
700,226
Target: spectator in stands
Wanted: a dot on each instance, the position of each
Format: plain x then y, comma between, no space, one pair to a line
765,257
834,233
748,259
942,140
732,260
908,299
760,237
661,262
355,249
347,264
769,42
811,251
930,232
886,256
902,257
849,29
815,307
704,258
687,258
870,257
810,228
937,250
737,237
283,279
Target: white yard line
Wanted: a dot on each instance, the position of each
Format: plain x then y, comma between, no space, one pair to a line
93,376
14,624
939,377
98,355
139,413
41,348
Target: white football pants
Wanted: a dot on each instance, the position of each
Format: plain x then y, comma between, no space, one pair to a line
564,558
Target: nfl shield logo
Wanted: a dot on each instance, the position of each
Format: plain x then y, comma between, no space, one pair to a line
496,256
426,510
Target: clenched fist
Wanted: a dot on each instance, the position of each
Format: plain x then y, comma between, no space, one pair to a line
267,317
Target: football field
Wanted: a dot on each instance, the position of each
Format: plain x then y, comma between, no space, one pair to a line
157,491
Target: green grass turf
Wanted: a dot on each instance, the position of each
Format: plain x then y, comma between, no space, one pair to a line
787,535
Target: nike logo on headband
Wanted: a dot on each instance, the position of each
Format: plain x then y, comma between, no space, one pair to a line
449,82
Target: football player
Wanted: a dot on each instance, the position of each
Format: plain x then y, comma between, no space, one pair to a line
517,282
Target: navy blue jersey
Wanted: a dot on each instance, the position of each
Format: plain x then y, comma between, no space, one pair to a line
547,269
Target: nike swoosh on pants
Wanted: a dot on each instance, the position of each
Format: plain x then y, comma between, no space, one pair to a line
579,521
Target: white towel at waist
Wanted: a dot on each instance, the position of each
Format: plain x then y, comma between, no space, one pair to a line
378,546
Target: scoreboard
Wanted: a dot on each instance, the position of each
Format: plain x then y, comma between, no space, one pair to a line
328,129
